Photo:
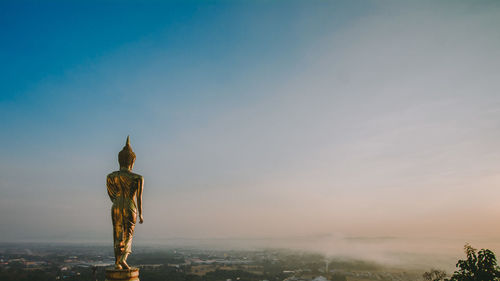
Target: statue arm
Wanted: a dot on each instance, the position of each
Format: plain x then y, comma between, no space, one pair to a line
139,199
111,189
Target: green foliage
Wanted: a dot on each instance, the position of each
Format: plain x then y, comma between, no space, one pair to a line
24,275
434,275
166,273
230,274
479,266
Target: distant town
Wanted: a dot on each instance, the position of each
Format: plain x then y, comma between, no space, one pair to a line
87,262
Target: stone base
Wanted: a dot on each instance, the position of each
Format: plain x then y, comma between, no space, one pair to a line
113,274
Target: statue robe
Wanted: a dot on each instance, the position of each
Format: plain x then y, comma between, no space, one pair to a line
122,190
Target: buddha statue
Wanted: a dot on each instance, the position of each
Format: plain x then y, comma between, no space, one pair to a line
124,190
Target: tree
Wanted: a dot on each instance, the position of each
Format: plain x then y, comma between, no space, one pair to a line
479,266
434,275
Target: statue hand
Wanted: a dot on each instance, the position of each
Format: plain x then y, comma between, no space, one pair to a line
141,219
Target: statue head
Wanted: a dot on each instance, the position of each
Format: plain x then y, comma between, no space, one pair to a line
126,157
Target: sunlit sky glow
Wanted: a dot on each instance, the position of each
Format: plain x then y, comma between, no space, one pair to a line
252,118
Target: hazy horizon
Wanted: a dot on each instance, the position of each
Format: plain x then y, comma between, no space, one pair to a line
255,119
392,252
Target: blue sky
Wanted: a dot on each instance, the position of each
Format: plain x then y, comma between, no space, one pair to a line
251,118
49,47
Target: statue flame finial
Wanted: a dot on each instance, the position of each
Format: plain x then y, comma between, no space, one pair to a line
128,141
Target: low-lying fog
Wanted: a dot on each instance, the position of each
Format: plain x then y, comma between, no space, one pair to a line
410,253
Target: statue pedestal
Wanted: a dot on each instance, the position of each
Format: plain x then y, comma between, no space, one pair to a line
131,274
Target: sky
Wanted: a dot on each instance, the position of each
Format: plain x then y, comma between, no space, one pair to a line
253,119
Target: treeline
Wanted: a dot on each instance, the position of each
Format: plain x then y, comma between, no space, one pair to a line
16,274
477,266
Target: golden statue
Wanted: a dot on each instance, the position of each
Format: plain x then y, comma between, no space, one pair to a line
124,188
